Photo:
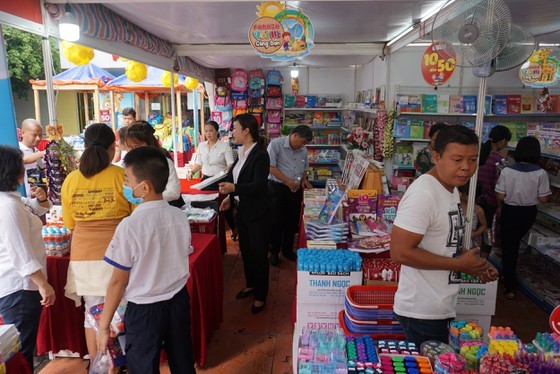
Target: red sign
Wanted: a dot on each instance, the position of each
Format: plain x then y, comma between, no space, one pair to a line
105,116
26,9
436,70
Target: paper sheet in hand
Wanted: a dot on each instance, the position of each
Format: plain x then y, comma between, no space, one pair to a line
209,181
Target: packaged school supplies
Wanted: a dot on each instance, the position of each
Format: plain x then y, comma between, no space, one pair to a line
114,346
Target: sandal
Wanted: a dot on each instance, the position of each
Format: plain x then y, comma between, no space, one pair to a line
510,295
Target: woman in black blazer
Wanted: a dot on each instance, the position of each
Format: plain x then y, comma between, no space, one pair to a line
247,187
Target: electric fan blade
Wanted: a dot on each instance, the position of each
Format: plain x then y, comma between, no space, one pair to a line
477,30
520,46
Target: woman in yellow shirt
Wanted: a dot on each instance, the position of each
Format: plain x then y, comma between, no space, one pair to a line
93,204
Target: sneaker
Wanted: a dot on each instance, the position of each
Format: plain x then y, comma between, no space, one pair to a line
273,259
290,256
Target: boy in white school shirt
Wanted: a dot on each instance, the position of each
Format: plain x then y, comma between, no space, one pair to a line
149,252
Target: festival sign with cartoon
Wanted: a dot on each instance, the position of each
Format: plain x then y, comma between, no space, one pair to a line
281,33
540,70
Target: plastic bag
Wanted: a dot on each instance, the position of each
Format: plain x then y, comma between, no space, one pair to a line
100,364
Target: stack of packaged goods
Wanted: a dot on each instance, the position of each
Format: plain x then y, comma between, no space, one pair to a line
9,342
57,240
321,351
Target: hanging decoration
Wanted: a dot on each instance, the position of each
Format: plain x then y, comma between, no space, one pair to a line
77,54
540,70
136,71
378,132
191,83
281,34
295,86
437,70
166,79
60,160
388,140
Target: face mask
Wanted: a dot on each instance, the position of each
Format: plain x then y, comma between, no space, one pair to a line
129,195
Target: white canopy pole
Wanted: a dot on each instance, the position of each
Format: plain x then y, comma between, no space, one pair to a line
472,186
47,62
173,123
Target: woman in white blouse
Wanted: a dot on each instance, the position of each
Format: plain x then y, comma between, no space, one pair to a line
23,284
212,156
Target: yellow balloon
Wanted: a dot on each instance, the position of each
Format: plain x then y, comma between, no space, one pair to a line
77,54
191,83
166,79
136,71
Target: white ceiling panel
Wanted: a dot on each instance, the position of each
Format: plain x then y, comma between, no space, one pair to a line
198,22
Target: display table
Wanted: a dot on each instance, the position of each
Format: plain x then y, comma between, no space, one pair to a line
62,325
186,189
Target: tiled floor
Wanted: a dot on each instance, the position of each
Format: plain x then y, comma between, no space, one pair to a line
262,343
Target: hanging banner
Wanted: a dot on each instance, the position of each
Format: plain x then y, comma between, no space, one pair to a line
435,69
540,70
281,34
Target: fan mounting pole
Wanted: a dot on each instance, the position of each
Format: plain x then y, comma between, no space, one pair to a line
472,187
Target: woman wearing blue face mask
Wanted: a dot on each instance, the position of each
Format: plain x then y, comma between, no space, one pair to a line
93,204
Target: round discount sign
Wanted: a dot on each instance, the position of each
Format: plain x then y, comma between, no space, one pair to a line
436,70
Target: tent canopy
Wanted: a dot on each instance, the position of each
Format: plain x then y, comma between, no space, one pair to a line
89,74
152,82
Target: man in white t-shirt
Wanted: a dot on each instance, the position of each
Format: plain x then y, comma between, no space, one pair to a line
31,134
427,239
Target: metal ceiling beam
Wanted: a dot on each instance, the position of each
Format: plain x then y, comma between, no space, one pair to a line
347,49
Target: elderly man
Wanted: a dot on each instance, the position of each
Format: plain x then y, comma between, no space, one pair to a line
288,167
31,133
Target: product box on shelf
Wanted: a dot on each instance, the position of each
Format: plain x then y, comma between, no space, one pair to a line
500,104
513,104
443,103
362,203
456,104
325,287
527,103
429,103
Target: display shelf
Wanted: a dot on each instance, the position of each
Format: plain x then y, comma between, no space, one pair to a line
550,210
412,140
371,111
548,155
512,115
323,163
312,109
525,287
545,252
333,127
404,167
322,145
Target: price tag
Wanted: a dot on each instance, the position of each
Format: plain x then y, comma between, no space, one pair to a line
435,69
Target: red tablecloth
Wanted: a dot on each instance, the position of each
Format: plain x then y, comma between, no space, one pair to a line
186,189
17,365
62,325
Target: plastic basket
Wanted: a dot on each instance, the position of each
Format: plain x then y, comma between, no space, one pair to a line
350,329
373,302
371,297
369,314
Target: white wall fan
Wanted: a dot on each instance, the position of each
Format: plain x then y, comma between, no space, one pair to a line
481,35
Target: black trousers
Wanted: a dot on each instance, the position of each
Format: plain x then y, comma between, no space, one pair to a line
489,212
253,244
286,210
23,309
151,327
515,222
